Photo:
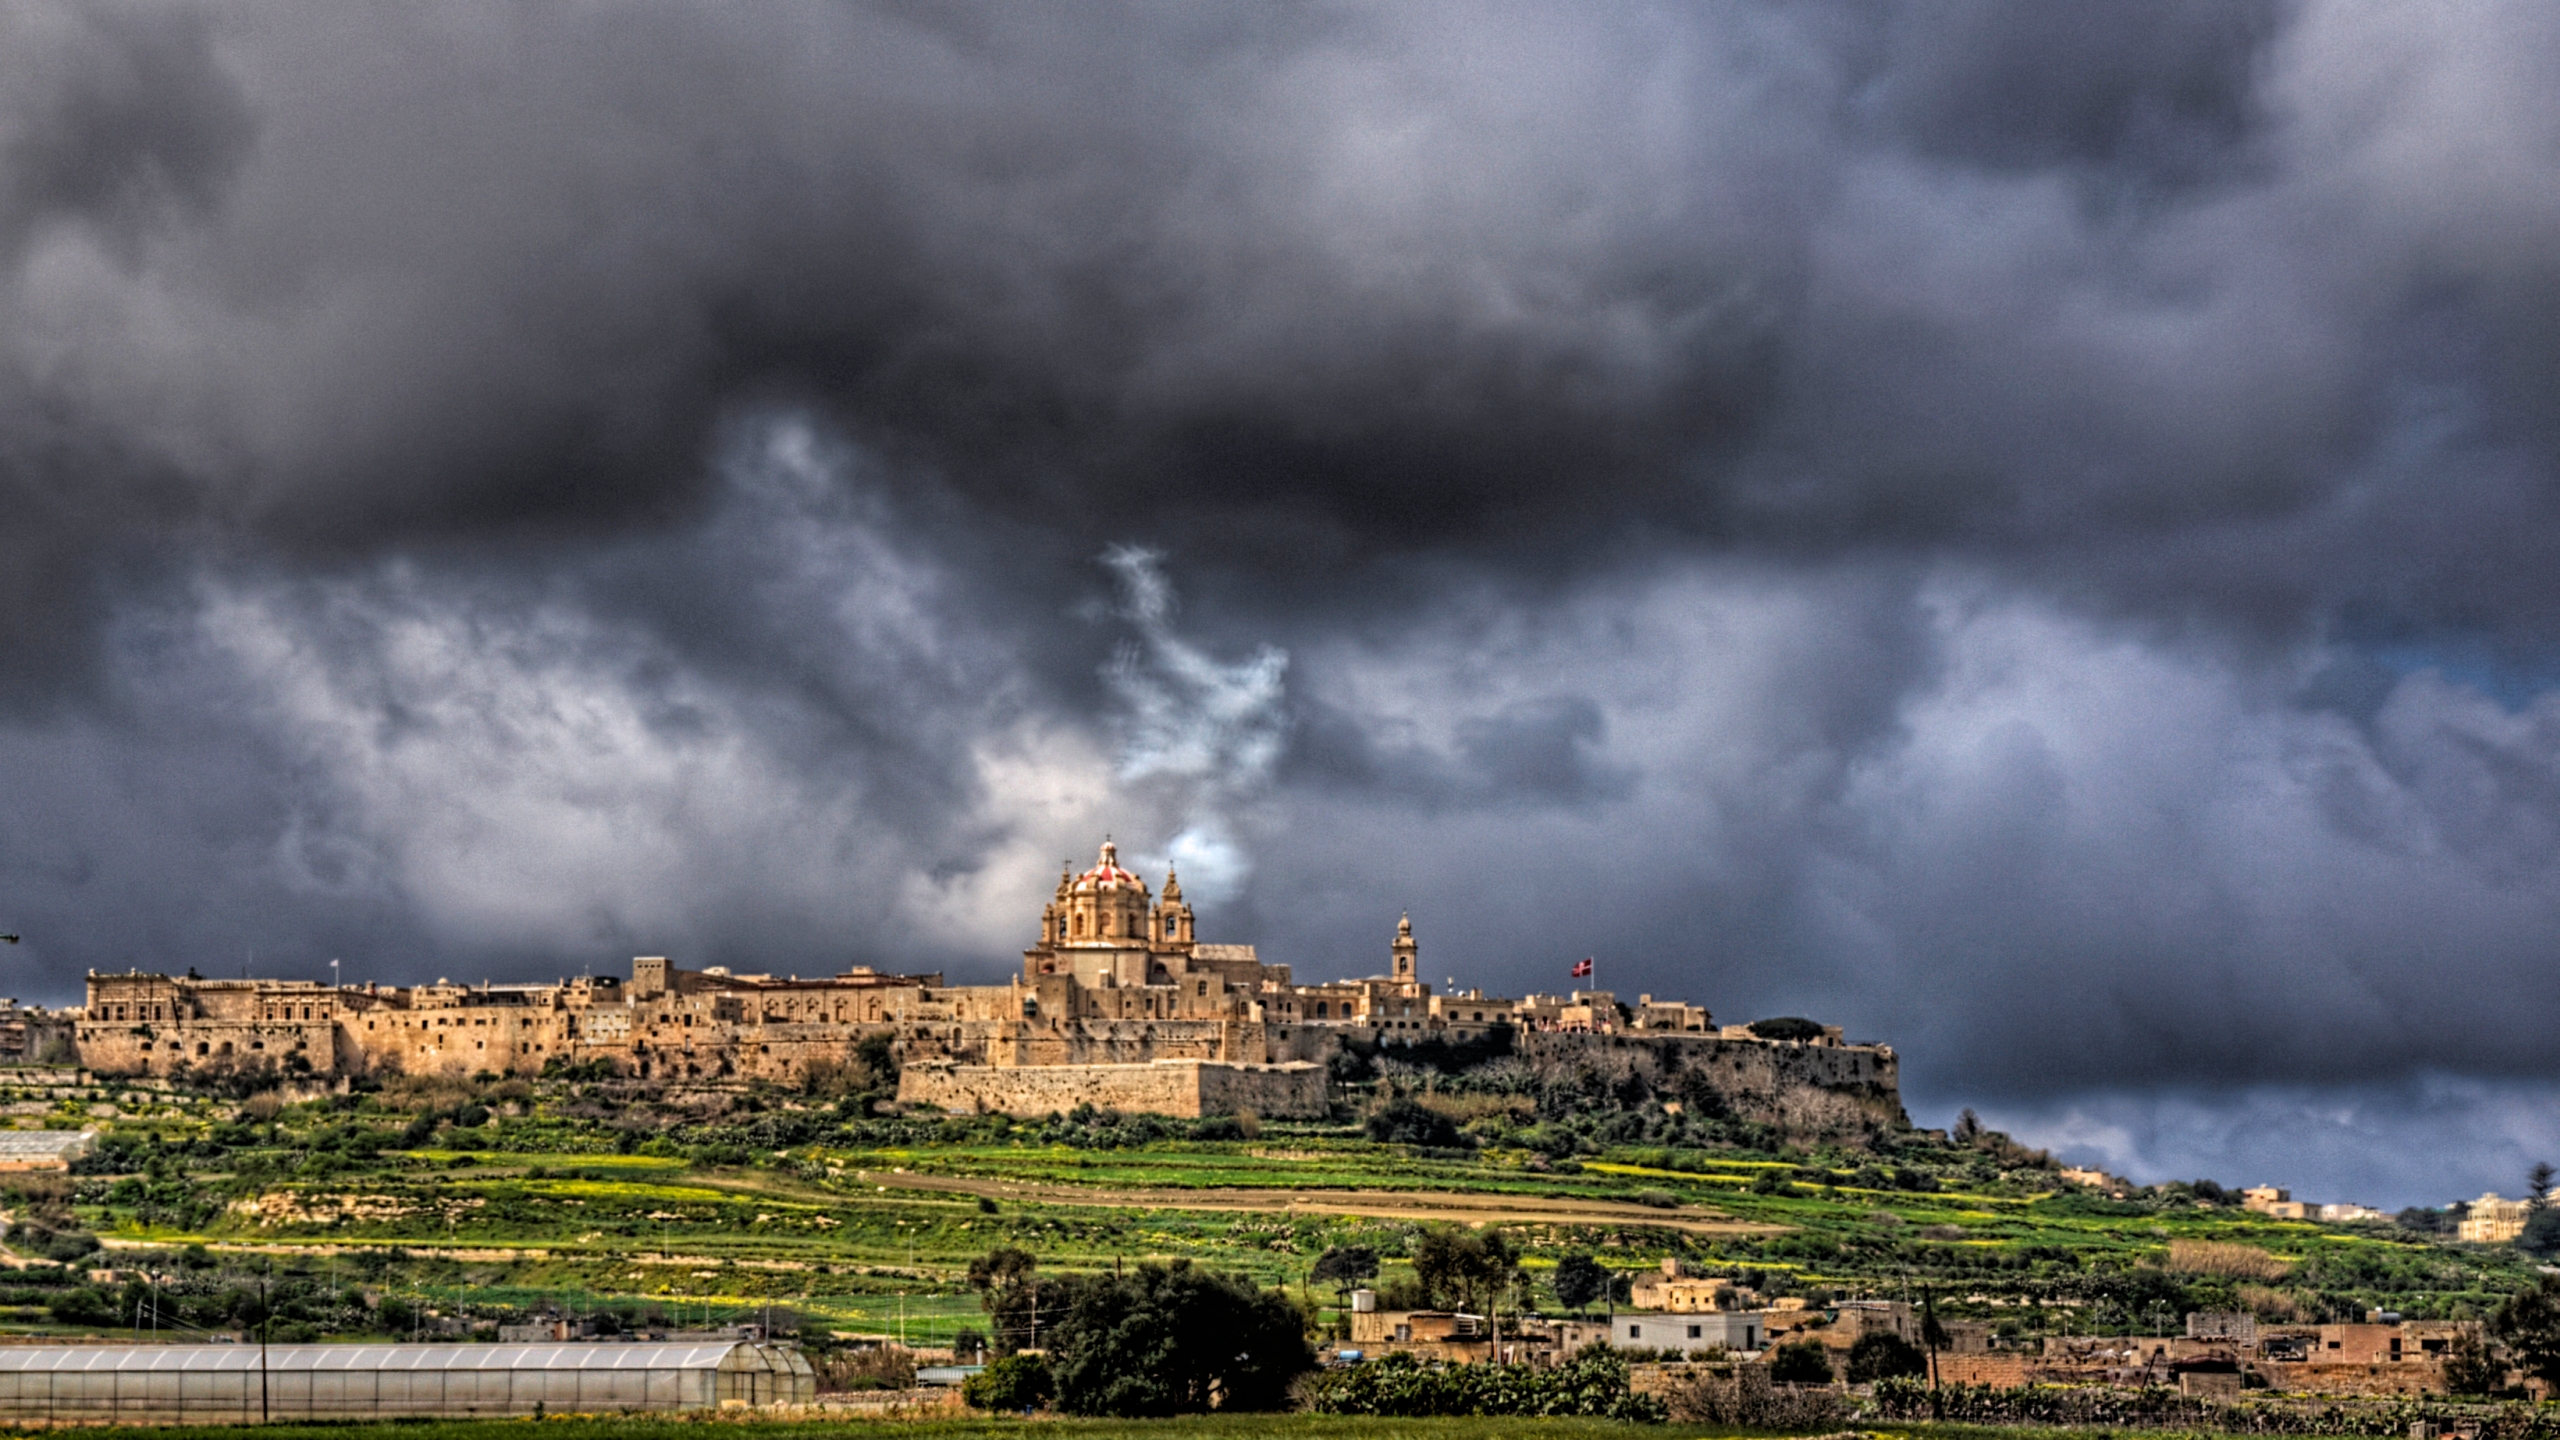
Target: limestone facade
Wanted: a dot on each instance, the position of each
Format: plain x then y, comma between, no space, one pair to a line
1118,1004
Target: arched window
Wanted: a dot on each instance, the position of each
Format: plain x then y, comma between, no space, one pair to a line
1320,1010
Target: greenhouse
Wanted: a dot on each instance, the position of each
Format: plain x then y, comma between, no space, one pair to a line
224,1383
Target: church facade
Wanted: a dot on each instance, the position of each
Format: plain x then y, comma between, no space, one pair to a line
1118,1005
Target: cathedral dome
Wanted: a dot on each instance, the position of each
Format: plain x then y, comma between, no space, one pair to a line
1107,874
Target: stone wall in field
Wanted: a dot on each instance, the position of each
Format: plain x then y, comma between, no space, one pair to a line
1170,1087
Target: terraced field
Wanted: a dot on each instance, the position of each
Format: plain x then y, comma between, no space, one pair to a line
561,1195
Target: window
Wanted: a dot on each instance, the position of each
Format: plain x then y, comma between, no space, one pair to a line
1204,987
1696,1331
1634,1330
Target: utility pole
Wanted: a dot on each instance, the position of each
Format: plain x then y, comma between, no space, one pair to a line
265,1322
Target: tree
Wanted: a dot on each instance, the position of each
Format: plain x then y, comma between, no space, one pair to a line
1020,1305
2424,1221
2471,1364
1883,1355
1459,1268
2541,1235
2529,1325
1579,1280
2537,1186
1805,1362
1175,1339
1786,1027
1968,1129
1010,1382
1344,1266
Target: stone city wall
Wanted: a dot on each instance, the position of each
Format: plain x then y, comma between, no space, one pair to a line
1176,1087
1804,1088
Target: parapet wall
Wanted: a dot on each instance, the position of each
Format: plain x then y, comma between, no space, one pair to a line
1801,1087
1173,1087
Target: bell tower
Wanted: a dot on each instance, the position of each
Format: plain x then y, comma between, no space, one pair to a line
1171,922
1406,951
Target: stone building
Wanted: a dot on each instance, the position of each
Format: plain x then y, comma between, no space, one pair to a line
1119,1005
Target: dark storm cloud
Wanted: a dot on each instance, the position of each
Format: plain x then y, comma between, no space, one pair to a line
1979,519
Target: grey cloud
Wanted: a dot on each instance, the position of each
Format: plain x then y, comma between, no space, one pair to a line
1936,515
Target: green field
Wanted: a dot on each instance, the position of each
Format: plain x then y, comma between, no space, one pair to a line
360,1213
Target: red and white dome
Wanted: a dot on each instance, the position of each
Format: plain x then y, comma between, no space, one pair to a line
1107,874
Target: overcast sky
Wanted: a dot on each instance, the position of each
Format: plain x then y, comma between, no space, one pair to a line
2029,531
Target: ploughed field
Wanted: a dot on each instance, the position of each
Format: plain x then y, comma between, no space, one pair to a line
477,1201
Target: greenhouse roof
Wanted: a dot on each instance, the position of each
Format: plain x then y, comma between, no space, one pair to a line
43,1142
603,1355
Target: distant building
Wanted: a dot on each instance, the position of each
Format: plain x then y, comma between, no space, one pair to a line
1730,1330
2237,1327
1678,1292
2275,1203
2350,1214
2493,1220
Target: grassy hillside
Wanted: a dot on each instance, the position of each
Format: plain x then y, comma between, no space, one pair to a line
363,1211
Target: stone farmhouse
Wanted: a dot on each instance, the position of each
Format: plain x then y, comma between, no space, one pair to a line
1118,1006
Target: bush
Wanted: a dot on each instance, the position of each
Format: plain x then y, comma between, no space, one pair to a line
1786,1027
1403,1122
1010,1383
1593,1383
1804,1363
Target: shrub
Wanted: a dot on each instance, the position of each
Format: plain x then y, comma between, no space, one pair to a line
1805,1362
1403,1122
1593,1383
1786,1027
1657,1199
1010,1382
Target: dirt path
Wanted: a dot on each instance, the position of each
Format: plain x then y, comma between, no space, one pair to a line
1464,1209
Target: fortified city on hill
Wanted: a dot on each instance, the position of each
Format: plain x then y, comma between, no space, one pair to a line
1118,1006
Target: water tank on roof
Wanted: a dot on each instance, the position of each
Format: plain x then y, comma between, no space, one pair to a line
1364,1302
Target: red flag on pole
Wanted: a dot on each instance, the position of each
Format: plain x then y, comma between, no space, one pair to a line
1582,967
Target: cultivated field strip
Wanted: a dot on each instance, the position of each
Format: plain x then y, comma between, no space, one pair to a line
1455,1207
